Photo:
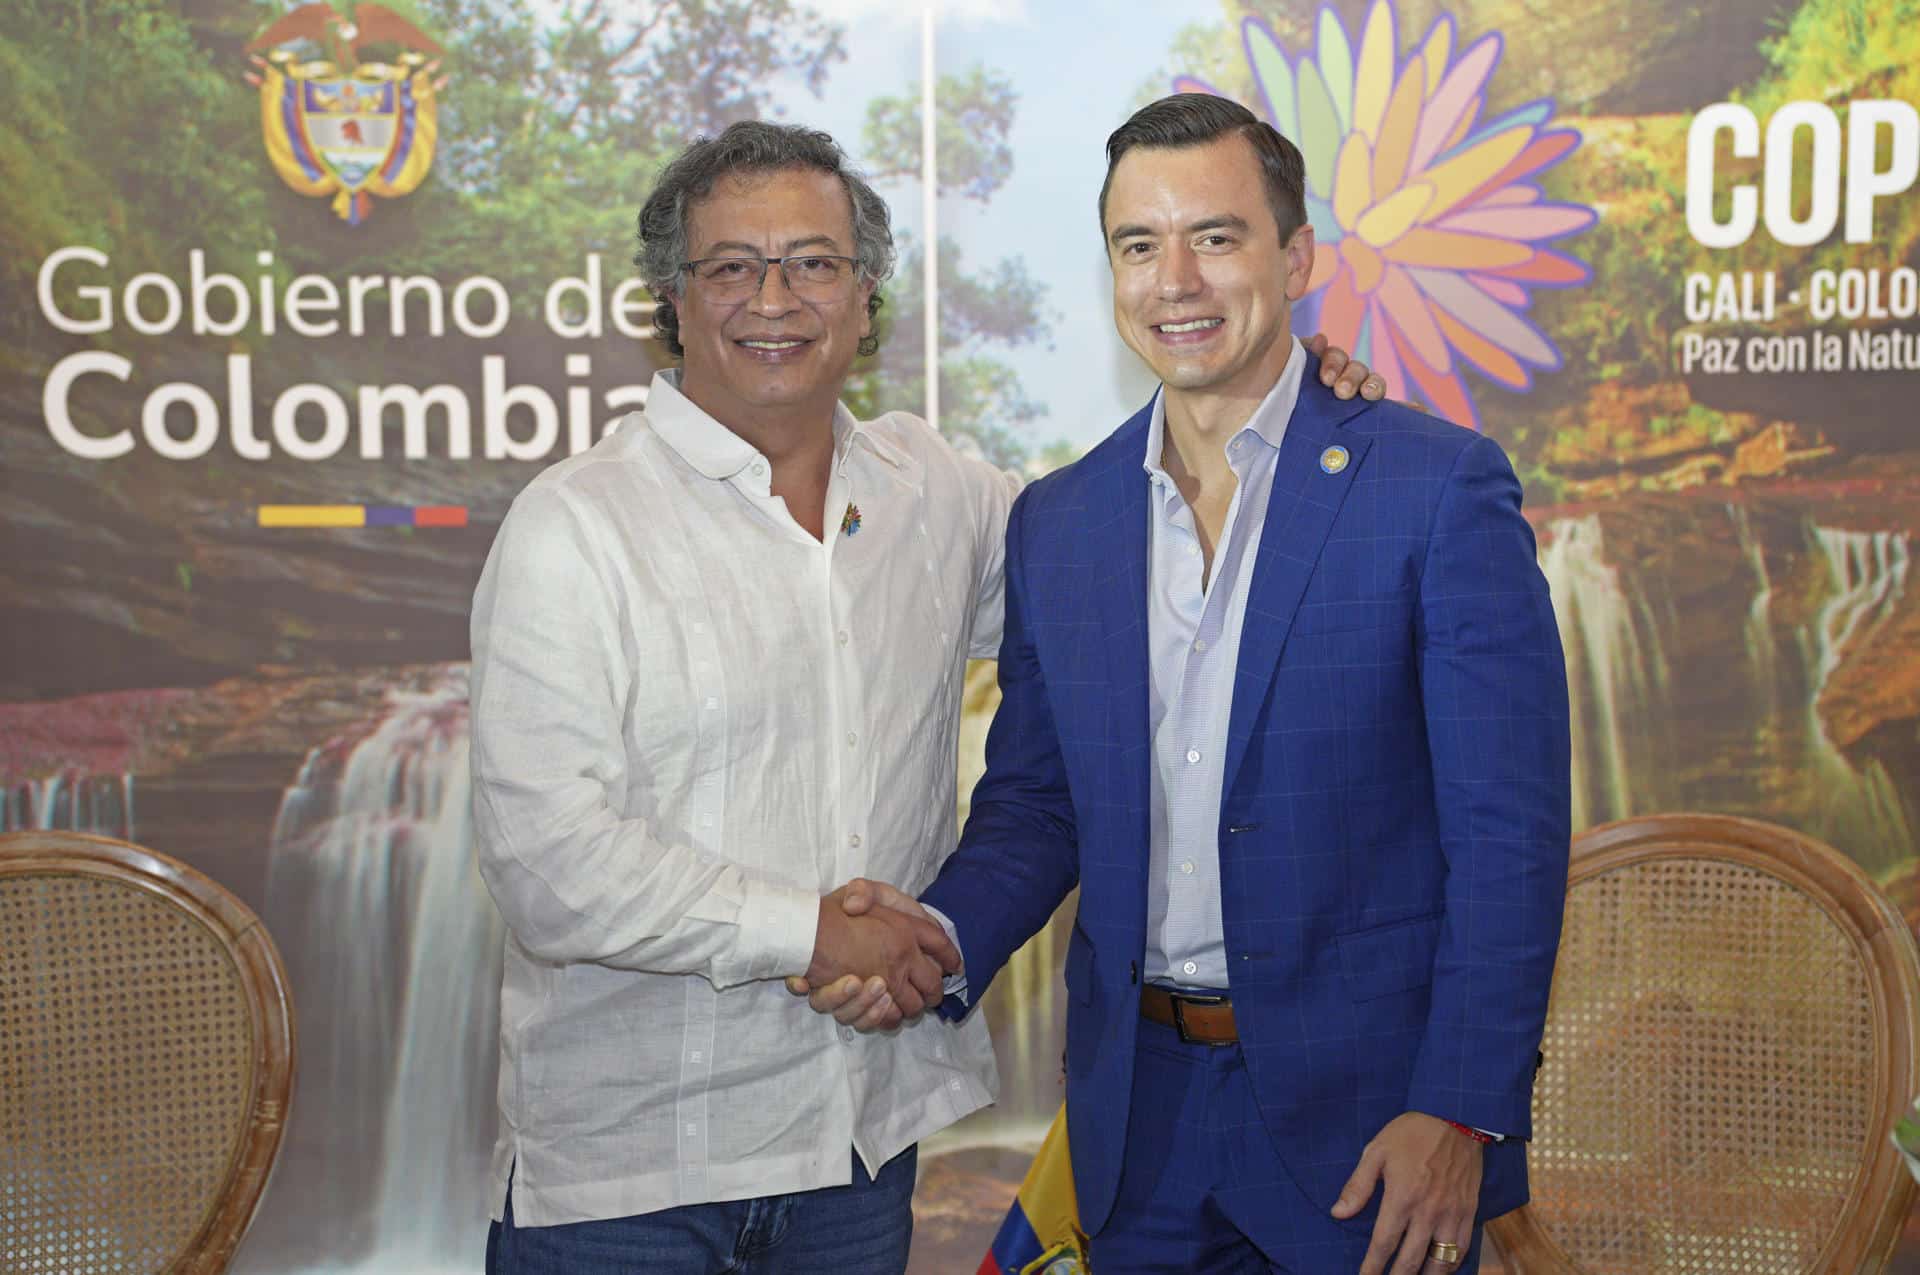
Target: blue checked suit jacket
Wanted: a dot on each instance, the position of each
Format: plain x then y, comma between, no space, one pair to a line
1394,827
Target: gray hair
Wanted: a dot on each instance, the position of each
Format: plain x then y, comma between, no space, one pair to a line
751,146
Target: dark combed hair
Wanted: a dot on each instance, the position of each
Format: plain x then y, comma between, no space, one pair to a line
751,146
1194,119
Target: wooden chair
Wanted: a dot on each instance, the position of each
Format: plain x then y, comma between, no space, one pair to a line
1730,1040
146,1060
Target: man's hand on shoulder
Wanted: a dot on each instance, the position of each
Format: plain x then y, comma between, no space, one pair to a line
879,959
1430,1172
1347,376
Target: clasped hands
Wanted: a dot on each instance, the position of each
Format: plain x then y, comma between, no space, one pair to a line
878,959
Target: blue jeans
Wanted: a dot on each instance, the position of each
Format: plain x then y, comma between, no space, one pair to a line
1203,1190
863,1228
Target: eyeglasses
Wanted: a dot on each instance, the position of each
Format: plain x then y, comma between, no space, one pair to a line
809,276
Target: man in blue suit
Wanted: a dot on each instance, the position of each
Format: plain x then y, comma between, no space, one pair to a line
1283,695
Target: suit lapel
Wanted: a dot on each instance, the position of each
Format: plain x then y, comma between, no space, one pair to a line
1305,501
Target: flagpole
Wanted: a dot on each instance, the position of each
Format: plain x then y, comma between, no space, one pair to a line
930,215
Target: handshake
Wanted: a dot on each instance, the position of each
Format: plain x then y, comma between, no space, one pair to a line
878,958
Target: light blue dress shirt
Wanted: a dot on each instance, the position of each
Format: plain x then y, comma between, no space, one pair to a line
1193,648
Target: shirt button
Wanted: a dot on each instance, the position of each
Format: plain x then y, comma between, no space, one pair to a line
1201,646
846,1034
854,841
1191,968
1193,756
712,702
852,739
1187,867
759,468
1192,550
844,637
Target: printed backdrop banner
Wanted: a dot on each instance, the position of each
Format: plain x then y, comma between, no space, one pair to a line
297,297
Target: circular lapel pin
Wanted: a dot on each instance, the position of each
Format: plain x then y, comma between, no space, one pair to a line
1333,460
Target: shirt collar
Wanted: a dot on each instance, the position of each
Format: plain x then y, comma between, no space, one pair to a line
848,430
1268,422
704,443
718,453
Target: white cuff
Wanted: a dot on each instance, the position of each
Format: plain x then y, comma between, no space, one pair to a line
952,984
777,925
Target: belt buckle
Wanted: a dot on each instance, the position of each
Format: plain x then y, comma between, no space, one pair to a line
1180,1002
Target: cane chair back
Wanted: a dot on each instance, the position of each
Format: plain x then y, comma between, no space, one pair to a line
1730,1041
146,1060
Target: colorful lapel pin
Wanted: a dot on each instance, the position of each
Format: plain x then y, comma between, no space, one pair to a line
1333,460
850,521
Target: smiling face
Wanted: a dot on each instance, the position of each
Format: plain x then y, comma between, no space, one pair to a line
1202,284
772,357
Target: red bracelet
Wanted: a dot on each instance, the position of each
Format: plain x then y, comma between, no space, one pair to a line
1475,1134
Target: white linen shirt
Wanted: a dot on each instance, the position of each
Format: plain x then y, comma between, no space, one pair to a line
690,721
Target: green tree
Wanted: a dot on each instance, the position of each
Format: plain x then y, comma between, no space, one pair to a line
1205,51
117,132
981,398
983,312
974,114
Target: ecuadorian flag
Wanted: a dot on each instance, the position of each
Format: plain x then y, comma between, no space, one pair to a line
1041,1235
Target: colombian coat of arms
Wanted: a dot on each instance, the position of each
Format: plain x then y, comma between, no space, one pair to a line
341,124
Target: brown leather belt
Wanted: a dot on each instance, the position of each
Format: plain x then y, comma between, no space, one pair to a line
1200,1020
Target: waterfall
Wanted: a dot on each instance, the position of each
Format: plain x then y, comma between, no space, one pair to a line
1869,573
439,1122
1609,673
1639,743
1757,629
393,950
68,801
1027,1014
1859,809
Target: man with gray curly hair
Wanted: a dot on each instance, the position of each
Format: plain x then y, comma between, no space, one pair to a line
717,665
717,670
745,149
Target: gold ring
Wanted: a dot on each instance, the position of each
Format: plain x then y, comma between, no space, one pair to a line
1444,1253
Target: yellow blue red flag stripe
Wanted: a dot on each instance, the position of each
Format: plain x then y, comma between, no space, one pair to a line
1041,1233
362,516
